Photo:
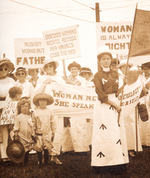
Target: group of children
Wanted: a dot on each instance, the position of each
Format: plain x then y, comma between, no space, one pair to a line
35,130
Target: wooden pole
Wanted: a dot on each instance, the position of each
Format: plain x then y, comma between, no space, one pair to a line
136,128
64,68
4,55
97,12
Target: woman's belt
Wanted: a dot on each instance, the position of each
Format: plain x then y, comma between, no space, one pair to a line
2,98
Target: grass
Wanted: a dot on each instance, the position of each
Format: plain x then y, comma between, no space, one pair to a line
75,165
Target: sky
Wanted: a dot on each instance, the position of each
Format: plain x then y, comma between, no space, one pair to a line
29,18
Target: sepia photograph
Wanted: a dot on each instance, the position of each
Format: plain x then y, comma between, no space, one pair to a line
75,89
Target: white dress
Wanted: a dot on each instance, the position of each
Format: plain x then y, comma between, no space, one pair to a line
5,85
145,126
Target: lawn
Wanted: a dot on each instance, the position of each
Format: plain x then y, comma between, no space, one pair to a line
75,165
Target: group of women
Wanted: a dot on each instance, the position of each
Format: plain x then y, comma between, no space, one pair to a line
109,137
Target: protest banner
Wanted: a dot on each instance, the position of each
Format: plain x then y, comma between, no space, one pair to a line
139,51
115,35
62,43
29,52
72,100
130,97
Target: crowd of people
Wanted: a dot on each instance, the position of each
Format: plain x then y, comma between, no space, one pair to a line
26,119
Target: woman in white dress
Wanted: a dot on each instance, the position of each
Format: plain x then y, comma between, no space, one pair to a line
49,68
6,67
109,149
130,120
75,132
145,126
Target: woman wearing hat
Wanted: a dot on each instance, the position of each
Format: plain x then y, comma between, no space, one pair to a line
74,125
145,126
27,88
74,78
49,67
6,67
86,73
133,77
109,149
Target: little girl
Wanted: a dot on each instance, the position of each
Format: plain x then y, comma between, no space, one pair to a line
45,127
8,116
24,127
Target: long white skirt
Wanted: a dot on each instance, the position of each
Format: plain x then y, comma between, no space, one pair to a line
109,145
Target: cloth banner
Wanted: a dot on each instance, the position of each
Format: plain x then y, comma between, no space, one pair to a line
131,96
140,39
71,100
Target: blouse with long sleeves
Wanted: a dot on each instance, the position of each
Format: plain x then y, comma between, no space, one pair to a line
105,83
77,81
43,78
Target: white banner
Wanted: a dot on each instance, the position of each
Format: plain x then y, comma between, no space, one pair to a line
115,35
29,52
130,97
62,43
72,100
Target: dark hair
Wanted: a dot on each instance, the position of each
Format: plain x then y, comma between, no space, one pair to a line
29,70
13,91
22,102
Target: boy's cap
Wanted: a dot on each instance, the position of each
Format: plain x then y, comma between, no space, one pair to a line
43,95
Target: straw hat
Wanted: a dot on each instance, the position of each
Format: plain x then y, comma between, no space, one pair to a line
85,70
20,69
43,95
74,64
103,50
47,61
15,151
7,62
115,61
124,62
145,65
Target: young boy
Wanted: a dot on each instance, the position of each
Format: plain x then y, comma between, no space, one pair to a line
10,110
45,127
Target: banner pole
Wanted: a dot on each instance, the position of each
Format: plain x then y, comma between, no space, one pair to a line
127,59
64,68
136,128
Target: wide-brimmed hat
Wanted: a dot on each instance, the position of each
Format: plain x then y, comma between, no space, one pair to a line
9,63
20,69
145,65
74,64
47,61
15,151
102,51
43,95
115,61
124,62
85,70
